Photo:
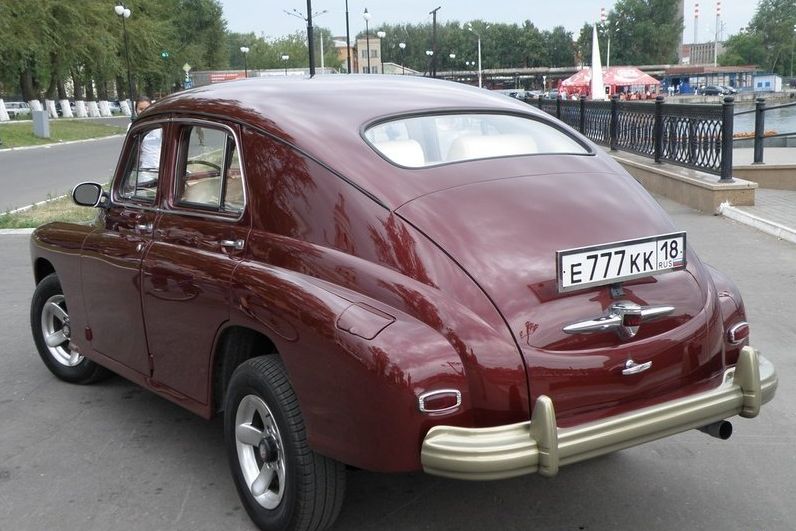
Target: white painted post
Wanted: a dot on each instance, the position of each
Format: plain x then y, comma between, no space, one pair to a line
4,117
93,110
80,109
66,109
105,109
50,104
125,106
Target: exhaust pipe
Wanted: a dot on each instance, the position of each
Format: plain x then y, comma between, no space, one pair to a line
720,430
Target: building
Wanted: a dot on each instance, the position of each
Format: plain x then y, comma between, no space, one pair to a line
685,79
342,48
372,45
767,83
703,53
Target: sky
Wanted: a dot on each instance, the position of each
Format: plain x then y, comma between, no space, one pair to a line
267,17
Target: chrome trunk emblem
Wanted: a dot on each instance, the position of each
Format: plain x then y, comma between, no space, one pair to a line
622,317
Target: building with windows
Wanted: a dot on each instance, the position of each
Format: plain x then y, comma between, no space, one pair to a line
342,49
372,45
702,53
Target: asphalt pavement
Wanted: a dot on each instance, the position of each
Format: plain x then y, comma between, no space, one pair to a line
35,174
113,456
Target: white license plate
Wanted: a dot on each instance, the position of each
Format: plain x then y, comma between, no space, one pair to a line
615,262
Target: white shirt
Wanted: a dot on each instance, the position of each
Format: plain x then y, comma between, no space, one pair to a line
150,150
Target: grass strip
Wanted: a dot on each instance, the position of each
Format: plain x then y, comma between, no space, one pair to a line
21,134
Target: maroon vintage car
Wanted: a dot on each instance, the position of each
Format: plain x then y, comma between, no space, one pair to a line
393,274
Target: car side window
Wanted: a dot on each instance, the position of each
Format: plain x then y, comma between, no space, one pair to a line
209,174
142,171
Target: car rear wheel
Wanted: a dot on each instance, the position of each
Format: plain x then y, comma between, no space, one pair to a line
282,483
52,332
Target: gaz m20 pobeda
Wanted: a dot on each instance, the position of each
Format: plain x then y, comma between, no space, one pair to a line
392,274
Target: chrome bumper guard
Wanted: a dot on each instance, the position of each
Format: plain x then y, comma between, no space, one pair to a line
540,446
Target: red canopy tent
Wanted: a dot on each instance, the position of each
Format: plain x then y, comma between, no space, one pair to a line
619,79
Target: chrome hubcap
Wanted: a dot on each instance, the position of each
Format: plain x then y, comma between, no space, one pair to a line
260,451
57,331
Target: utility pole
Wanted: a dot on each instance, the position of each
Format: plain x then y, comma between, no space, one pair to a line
696,24
433,13
310,39
716,36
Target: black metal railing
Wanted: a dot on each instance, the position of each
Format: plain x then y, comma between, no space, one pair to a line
760,126
695,136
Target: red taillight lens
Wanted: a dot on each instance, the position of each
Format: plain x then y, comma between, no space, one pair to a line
632,319
738,332
439,401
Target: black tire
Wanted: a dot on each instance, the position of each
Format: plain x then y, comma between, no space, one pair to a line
78,369
314,485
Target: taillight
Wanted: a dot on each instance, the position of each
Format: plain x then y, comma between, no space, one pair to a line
441,401
738,332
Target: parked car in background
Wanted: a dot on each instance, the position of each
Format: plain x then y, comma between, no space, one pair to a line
712,90
17,109
729,90
115,107
427,277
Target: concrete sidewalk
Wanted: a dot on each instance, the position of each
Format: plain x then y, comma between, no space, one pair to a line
774,213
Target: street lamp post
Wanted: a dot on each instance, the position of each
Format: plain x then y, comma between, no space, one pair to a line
347,37
245,51
480,75
402,46
452,56
366,16
285,57
124,13
430,55
793,38
381,35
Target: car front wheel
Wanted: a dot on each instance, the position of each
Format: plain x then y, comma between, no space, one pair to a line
52,333
282,483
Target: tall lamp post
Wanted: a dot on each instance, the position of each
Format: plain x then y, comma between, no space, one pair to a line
124,13
381,35
366,16
480,80
452,56
285,57
245,51
791,49
402,46
347,37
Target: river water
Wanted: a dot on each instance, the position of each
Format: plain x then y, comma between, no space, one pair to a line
779,120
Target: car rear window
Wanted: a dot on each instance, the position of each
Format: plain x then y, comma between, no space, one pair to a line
421,141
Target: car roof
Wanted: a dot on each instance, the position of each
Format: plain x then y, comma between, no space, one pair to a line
324,116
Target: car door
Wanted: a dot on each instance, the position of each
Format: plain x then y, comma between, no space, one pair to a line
112,253
198,241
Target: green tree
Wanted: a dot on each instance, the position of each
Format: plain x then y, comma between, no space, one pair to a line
645,32
767,41
562,48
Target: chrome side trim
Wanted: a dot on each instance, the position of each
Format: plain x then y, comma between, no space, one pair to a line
631,367
540,446
421,400
731,333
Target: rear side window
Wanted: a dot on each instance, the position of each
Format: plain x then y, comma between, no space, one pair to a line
435,139
209,173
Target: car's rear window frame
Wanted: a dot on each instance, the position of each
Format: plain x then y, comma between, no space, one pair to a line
589,152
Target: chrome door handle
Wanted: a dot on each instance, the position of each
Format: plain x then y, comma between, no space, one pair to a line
631,367
144,226
235,244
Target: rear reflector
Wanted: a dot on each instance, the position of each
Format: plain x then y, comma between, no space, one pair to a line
441,401
738,332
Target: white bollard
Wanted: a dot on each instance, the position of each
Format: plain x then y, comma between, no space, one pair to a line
125,106
105,109
35,105
51,110
93,110
4,117
80,109
66,109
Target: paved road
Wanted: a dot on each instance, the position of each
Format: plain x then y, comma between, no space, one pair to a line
31,175
112,456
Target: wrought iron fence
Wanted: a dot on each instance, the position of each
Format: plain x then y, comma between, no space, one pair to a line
760,126
695,136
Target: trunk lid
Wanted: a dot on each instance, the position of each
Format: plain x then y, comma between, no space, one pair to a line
505,234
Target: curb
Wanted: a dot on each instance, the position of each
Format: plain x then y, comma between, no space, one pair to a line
21,148
763,225
28,207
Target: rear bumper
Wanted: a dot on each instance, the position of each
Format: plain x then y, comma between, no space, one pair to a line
540,446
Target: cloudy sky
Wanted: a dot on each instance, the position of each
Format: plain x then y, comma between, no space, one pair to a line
267,16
